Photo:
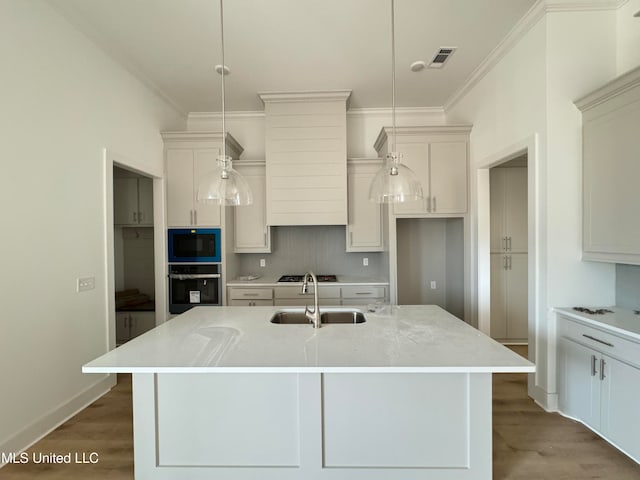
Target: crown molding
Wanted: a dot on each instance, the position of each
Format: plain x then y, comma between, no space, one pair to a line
615,87
92,33
305,96
536,13
200,116
386,132
194,135
399,110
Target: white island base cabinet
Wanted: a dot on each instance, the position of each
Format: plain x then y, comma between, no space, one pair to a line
295,426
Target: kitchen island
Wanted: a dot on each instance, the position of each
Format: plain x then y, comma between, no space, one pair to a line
224,393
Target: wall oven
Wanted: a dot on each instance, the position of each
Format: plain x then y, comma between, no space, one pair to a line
194,285
194,245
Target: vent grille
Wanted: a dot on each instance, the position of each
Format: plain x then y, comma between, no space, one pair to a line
441,57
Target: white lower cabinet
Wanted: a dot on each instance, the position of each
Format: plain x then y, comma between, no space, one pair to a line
363,294
131,324
598,389
250,296
293,296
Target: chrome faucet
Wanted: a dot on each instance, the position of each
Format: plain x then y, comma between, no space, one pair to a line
313,316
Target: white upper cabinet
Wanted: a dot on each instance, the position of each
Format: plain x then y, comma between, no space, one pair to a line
132,201
364,231
251,233
611,169
189,156
439,156
306,157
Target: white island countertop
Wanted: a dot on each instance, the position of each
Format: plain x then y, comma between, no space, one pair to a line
241,339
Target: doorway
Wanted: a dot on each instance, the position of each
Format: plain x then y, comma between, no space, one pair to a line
508,192
133,237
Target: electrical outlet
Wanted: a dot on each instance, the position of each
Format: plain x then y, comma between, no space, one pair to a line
85,283
433,284
365,261
263,262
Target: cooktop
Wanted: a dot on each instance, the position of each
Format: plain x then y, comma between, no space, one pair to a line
300,278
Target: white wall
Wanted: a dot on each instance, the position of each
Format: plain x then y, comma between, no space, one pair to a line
527,99
63,102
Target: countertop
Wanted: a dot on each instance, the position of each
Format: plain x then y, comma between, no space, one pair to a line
272,281
400,339
621,321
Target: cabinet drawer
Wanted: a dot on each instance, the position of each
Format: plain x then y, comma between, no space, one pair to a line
296,292
624,349
364,291
250,293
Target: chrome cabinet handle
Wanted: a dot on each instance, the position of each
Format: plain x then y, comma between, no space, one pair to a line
250,294
510,259
504,262
504,243
602,364
135,217
597,340
593,365
509,243
195,217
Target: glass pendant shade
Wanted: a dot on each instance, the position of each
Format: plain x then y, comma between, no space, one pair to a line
395,182
225,186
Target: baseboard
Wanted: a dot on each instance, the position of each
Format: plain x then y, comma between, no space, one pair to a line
547,401
44,425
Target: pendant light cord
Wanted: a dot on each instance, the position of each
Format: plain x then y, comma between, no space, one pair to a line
393,78
224,141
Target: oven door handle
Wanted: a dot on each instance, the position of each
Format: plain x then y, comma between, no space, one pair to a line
193,276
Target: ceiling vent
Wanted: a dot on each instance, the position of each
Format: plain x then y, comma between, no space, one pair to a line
441,57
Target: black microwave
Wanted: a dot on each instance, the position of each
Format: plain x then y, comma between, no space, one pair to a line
194,245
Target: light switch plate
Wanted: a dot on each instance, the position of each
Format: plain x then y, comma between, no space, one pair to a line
263,262
85,283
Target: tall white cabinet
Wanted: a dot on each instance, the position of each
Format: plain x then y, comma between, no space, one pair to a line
610,120
509,262
189,157
251,232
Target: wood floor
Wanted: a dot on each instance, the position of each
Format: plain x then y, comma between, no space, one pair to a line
527,442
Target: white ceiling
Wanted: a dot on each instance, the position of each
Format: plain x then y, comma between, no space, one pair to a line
287,45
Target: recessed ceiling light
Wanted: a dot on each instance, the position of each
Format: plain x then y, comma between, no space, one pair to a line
417,66
219,70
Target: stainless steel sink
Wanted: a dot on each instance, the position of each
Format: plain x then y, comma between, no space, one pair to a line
297,317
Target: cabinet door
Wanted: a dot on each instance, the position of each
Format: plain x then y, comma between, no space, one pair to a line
145,201
125,201
142,322
498,299
204,161
610,172
123,327
251,233
620,407
517,297
515,209
179,187
415,155
448,177
364,232
579,385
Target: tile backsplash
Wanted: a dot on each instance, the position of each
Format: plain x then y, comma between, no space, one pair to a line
628,286
319,248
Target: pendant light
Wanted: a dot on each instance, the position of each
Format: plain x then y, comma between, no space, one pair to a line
224,185
394,182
